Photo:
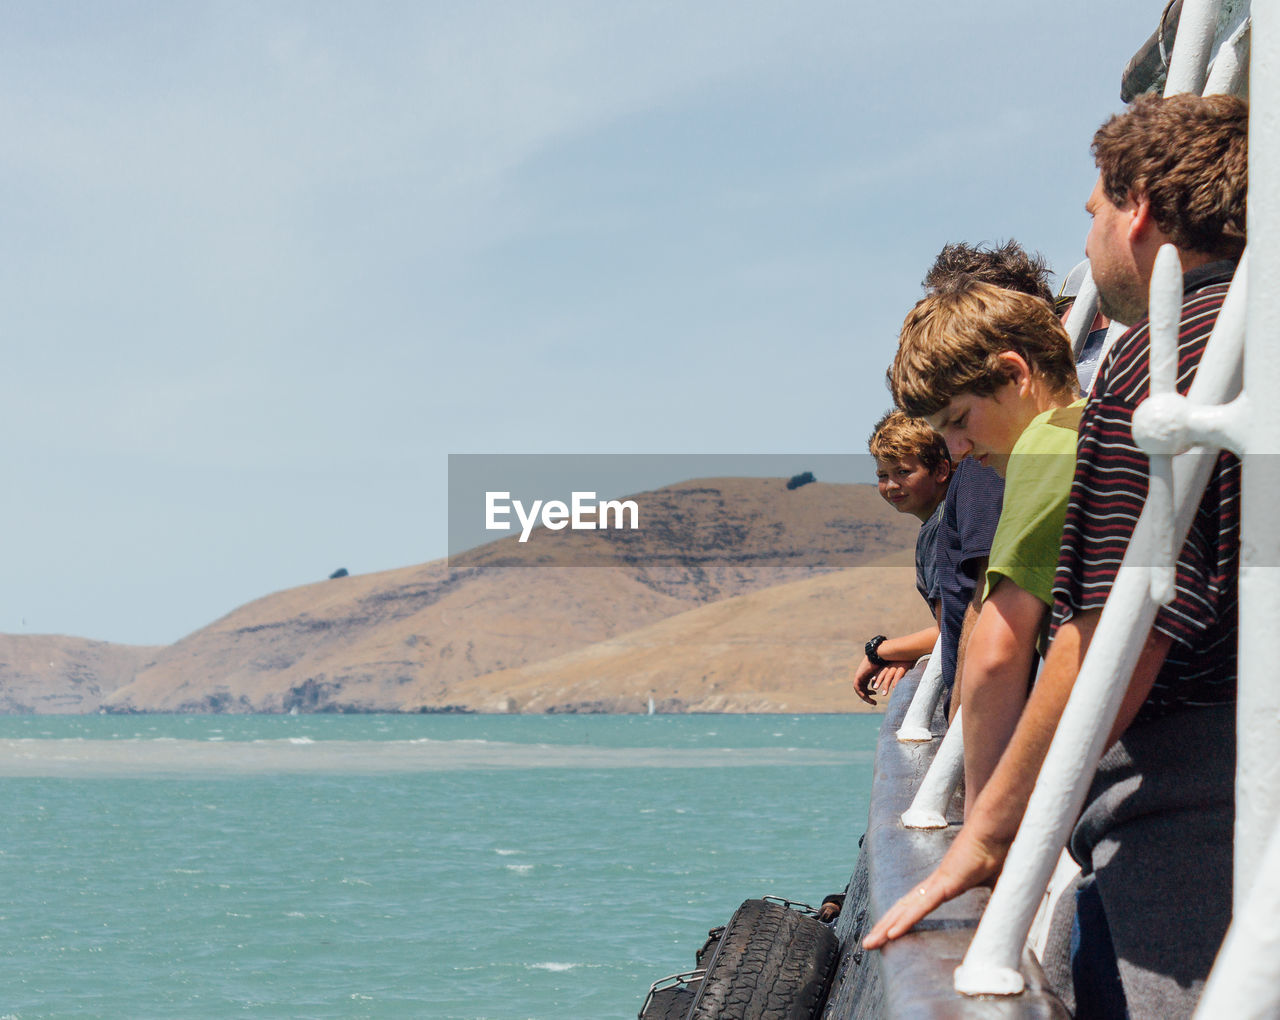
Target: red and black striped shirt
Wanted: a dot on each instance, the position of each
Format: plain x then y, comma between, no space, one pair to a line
1107,495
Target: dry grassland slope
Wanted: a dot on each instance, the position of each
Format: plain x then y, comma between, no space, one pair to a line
450,636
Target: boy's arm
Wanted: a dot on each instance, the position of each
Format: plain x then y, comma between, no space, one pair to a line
910,647
997,668
978,852
901,654
966,630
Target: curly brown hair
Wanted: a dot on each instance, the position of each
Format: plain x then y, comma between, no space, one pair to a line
951,344
896,436
1007,265
1189,157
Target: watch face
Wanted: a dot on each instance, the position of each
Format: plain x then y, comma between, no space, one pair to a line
872,649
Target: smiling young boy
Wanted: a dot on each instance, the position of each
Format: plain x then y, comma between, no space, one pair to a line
991,371
912,472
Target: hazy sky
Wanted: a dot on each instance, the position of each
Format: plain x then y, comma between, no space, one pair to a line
267,264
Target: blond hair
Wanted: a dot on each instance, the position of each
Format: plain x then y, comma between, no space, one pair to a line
951,343
897,435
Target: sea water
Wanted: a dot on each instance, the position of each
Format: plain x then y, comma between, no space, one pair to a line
402,866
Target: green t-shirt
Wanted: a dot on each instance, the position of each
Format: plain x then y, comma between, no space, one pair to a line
1036,488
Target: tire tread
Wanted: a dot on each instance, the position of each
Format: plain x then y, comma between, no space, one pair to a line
772,963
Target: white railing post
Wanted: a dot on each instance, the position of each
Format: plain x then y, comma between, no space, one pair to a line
928,808
1166,313
916,723
1189,65
1083,310
1230,71
1258,704
1245,983
991,965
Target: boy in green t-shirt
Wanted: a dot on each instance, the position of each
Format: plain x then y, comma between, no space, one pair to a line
991,371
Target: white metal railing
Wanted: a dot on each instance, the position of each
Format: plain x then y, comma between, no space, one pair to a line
1230,70
915,728
1083,310
928,808
1080,318
1189,64
1171,424
1258,706
1245,981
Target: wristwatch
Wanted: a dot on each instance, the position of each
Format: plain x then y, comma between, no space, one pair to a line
872,649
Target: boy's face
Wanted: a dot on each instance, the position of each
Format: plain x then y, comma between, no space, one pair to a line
984,428
910,487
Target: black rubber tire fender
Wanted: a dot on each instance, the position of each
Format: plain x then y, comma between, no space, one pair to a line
668,1004
772,963
702,958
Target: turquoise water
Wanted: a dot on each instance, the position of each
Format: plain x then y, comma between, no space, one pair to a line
402,866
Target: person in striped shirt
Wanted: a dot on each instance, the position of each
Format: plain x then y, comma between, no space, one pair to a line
1154,839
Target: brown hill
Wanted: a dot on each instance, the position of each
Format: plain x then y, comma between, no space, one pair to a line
789,648
49,674
358,643
413,638
756,523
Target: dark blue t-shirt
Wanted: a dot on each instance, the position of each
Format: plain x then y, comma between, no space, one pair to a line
970,514
927,558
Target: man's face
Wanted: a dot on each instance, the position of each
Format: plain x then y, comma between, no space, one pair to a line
984,428
910,487
1122,292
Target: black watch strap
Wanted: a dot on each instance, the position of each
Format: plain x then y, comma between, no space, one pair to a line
873,651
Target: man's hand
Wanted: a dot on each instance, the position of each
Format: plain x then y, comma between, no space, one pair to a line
968,864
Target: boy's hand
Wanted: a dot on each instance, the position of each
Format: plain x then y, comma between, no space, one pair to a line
869,679
863,677
888,677
968,864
